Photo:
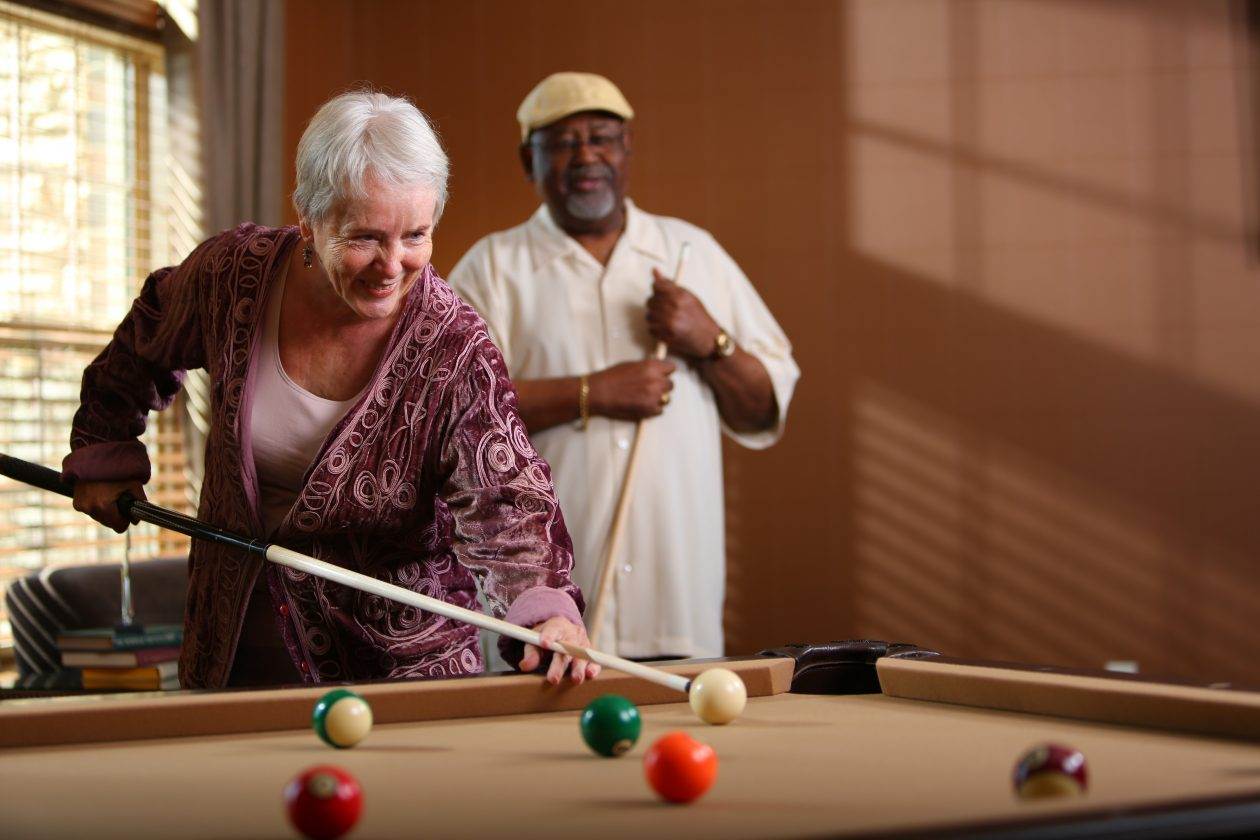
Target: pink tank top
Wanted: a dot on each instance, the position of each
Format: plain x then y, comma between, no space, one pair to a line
288,423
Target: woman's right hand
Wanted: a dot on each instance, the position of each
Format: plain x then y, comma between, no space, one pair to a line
99,500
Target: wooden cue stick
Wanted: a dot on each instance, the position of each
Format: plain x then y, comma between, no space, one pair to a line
142,511
613,541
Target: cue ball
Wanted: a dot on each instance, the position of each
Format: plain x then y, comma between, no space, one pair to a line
717,696
342,718
610,725
323,802
679,768
1050,770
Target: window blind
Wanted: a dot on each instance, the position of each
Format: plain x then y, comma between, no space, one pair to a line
91,201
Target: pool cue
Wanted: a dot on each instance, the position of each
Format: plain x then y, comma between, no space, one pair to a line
613,542
136,510
126,608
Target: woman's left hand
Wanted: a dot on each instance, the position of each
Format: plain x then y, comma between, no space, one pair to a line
560,630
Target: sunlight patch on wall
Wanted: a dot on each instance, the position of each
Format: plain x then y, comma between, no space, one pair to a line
1082,165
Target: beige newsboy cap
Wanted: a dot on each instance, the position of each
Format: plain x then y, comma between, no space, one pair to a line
562,94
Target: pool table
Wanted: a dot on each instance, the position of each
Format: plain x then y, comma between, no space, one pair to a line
930,754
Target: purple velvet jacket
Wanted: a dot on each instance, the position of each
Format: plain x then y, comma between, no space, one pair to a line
428,480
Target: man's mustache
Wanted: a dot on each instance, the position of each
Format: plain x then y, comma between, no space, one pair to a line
593,170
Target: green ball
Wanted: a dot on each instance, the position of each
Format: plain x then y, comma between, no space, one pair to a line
611,725
341,718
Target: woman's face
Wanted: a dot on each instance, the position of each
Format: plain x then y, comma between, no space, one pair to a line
374,249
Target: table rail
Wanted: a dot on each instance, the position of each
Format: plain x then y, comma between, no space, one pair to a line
133,717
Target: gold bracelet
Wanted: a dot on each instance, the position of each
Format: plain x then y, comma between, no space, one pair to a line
584,402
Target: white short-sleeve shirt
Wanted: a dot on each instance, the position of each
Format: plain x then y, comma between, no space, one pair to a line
555,311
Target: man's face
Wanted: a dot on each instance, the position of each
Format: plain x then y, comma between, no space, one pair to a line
579,167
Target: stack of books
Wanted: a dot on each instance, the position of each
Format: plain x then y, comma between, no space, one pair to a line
144,658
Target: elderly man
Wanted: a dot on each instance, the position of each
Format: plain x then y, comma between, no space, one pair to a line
577,297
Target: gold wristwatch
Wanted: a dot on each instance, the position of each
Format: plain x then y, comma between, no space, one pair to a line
723,346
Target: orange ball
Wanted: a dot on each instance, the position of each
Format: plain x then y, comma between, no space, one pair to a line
680,768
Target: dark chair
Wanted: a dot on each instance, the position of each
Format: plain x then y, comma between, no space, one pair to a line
43,604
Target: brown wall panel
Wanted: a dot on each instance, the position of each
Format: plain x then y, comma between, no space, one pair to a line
1010,243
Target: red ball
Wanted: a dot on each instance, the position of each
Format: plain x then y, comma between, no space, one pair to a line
1051,770
680,768
323,802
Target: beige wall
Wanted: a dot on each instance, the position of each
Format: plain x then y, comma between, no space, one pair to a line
1012,244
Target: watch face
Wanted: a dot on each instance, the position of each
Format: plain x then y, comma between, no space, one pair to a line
725,346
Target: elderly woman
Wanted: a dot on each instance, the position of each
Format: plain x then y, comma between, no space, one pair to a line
361,415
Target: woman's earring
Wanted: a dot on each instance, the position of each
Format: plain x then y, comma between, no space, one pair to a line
308,256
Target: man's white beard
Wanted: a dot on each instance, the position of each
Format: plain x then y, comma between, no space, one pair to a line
591,207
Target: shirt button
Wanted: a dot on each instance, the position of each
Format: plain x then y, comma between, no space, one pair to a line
303,667
627,568
284,610
623,443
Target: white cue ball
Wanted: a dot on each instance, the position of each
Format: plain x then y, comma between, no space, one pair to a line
717,696
348,721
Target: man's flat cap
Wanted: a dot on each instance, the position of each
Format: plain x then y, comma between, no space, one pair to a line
563,94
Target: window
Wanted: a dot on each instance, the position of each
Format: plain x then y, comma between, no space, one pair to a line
90,202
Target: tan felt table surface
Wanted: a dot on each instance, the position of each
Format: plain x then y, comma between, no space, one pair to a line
792,766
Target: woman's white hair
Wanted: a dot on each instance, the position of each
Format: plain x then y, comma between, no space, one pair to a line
363,135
